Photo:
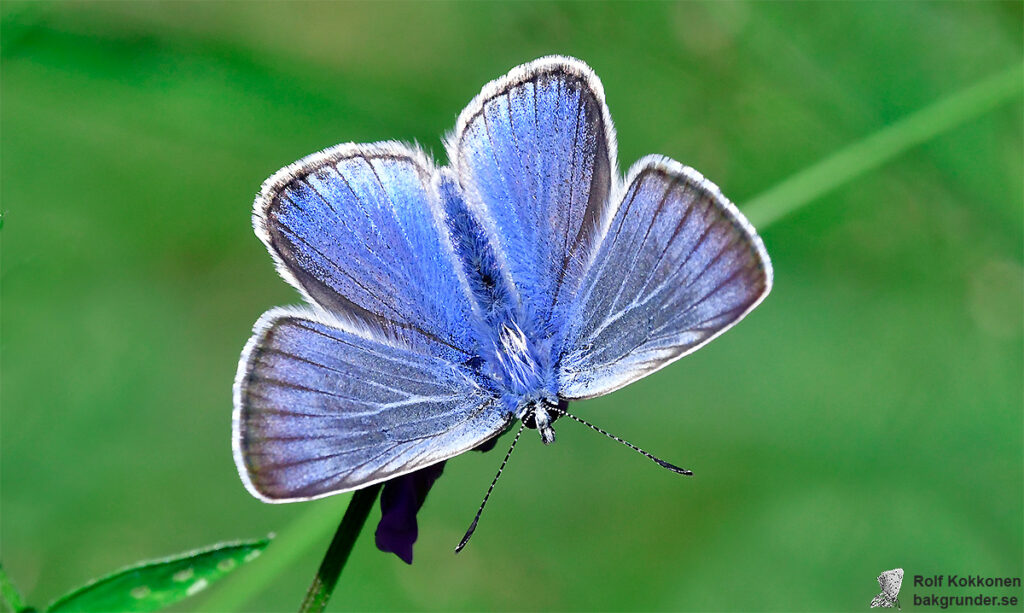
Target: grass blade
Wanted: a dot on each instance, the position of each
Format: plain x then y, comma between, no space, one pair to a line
880,147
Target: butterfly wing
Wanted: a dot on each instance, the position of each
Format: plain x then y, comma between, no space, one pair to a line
882,602
321,409
678,266
535,155
380,382
358,229
891,581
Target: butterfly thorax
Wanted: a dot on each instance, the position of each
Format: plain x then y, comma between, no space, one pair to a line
524,381
514,355
516,361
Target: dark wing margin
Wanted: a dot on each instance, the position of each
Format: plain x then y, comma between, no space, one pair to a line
535,153
679,266
321,410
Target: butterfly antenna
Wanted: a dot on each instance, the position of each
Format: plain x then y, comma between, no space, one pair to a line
659,461
472,526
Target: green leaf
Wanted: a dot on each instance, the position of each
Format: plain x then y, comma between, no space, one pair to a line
10,594
153,585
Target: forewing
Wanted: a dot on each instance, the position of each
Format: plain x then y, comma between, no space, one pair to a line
678,267
890,581
321,410
358,230
535,154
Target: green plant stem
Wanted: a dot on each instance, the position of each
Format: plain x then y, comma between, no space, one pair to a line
341,546
10,593
868,153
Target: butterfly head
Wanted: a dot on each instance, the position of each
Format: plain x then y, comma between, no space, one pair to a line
541,414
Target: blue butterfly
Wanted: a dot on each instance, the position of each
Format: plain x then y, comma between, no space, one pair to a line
447,303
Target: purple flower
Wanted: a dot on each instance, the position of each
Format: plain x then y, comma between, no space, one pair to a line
401,500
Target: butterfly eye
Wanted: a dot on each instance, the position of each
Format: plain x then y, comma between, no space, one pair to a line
530,419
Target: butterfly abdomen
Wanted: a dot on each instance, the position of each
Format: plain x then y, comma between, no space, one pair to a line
490,289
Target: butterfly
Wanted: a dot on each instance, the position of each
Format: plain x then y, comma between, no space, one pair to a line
447,303
890,581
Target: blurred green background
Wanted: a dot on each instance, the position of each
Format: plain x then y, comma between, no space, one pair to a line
868,415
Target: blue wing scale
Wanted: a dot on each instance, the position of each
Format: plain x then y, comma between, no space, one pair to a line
359,230
535,154
446,302
679,266
321,410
